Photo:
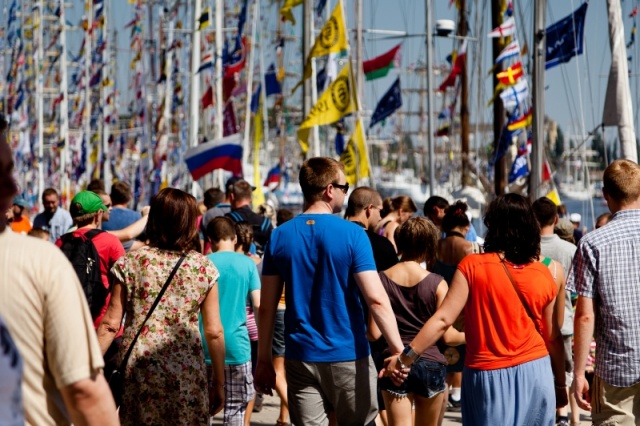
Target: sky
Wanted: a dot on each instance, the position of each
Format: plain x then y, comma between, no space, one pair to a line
574,95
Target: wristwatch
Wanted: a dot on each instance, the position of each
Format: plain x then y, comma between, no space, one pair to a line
410,353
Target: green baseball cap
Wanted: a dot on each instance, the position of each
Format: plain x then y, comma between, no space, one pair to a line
86,202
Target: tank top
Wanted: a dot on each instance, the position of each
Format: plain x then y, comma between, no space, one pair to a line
413,306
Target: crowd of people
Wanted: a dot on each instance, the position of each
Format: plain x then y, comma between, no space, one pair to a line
174,314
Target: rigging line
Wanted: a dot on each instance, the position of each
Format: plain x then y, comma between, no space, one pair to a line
590,84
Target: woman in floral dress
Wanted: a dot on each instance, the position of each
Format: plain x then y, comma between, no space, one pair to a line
165,380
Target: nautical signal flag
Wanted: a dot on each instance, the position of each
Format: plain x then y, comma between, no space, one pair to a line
456,69
511,75
565,38
521,122
225,153
203,20
207,98
390,102
285,11
207,63
512,50
515,95
332,39
507,28
337,101
380,65
519,168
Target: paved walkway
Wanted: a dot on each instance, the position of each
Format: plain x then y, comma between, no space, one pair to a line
271,407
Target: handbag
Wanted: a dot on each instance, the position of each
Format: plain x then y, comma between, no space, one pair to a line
521,297
116,380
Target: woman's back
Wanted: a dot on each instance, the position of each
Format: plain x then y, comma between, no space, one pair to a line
499,332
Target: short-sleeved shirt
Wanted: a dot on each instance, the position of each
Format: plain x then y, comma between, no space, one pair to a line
21,226
238,278
57,225
499,332
46,312
11,407
120,218
316,255
605,269
561,251
110,250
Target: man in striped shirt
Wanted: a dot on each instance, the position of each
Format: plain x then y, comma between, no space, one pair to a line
606,276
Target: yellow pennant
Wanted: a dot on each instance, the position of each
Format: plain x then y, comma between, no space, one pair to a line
332,39
336,102
257,196
285,11
358,139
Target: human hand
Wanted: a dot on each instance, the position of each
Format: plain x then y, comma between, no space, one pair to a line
391,370
145,211
581,391
265,378
216,399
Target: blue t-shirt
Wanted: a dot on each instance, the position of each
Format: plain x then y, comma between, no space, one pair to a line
238,278
120,218
316,255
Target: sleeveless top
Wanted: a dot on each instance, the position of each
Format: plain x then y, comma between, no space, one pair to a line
413,306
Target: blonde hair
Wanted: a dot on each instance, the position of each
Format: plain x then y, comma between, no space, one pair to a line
621,181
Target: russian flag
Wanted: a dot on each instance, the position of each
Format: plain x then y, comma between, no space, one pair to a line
225,153
273,176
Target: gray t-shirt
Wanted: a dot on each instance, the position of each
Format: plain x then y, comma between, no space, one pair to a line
561,251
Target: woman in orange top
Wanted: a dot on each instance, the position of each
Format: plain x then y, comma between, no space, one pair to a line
511,327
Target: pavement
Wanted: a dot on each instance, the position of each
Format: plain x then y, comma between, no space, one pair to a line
271,408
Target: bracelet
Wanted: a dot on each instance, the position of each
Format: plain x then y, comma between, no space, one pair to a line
560,386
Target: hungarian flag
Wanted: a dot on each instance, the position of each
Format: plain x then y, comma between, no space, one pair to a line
511,75
380,65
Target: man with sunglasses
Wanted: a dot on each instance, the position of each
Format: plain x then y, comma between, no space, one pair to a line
324,261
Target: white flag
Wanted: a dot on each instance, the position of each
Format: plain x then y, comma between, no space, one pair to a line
507,28
514,95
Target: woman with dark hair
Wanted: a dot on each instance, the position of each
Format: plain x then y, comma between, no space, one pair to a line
165,378
415,295
511,326
402,208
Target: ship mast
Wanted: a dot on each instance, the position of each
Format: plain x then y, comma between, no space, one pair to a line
537,145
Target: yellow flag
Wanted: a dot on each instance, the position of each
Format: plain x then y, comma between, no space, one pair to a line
358,140
336,102
554,196
332,39
257,196
285,11
348,159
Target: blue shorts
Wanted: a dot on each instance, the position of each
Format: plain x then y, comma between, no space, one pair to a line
425,379
278,334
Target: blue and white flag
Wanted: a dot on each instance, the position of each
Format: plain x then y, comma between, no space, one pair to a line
391,101
565,38
519,168
512,50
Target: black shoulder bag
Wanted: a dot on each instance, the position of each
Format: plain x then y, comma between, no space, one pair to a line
116,381
521,297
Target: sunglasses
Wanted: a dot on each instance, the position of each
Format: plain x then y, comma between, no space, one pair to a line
345,187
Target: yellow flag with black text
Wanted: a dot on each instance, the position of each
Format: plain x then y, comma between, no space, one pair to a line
333,38
363,158
337,101
348,160
257,196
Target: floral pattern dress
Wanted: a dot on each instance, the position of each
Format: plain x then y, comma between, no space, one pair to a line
165,381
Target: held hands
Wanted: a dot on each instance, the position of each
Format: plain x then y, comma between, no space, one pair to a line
393,370
581,391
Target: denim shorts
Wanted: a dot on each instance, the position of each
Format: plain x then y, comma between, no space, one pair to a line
425,379
278,334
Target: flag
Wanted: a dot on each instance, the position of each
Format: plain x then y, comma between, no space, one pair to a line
234,62
506,139
340,137
272,85
207,63
565,38
255,99
348,160
203,20
320,7
380,65
257,196
225,154
337,101
634,12
273,176
633,35
511,75
358,139
512,50
285,11
554,196
516,123
456,69
207,98
519,167
332,39
229,122
390,102
442,131
515,95
507,28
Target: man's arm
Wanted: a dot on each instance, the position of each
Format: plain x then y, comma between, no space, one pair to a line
265,378
110,324
89,402
380,308
583,326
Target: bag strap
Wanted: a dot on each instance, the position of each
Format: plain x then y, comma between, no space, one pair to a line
92,233
153,307
520,296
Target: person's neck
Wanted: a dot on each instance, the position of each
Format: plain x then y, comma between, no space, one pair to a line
223,245
361,218
546,230
120,206
320,207
241,203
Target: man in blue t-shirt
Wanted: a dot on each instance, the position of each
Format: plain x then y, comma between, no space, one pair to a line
324,260
239,280
120,216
